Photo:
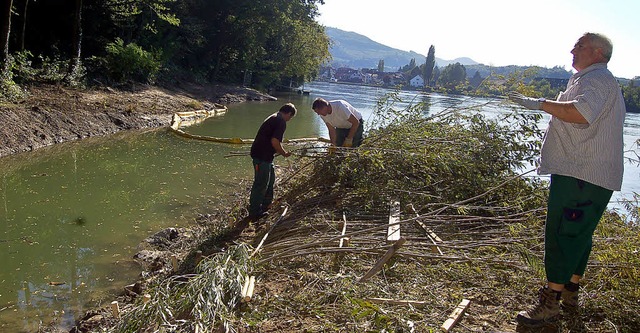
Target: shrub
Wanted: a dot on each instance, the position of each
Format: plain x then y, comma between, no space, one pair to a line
131,62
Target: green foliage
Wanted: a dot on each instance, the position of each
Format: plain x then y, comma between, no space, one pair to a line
631,94
205,300
441,158
430,62
452,76
9,89
521,81
125,13
207,41
130,62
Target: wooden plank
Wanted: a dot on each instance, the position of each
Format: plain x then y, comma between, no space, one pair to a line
454,317
393,232
380,263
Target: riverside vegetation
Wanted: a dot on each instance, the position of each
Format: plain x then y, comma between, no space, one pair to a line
454,173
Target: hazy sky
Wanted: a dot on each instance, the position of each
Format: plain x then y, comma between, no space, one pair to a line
495,32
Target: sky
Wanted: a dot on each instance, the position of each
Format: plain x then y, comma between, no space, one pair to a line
495,32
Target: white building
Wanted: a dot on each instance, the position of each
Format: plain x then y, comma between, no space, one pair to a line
417,81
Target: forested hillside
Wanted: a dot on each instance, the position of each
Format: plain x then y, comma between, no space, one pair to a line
261,43
350,49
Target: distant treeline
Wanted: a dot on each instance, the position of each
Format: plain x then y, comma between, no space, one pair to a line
491,81
257,42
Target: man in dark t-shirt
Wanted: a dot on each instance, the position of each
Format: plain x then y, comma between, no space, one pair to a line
268,142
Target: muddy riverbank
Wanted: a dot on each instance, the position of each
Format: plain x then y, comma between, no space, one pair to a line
51,114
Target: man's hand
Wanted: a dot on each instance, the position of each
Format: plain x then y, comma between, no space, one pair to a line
527,102
348,142
331,150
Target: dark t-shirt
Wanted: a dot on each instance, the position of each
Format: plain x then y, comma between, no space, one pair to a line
273,127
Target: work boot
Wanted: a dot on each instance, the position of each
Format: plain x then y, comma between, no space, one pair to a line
547,311
570,297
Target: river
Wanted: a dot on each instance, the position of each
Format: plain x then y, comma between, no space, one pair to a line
72,215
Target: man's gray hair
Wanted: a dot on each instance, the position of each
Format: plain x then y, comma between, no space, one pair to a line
601,41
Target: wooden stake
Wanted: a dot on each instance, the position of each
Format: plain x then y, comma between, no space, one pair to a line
115,309
454,317
247,289
344,231
267,234
380,263
396,302
393,232
174,262
146,298
430,234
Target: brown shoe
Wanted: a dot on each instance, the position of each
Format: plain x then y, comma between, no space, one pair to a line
569,298
546,312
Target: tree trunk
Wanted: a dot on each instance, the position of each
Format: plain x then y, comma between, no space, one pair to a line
24,25
4,34
74,63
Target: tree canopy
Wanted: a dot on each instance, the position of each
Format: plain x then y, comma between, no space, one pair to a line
216,41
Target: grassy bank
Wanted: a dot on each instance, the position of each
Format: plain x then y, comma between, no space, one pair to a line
471,228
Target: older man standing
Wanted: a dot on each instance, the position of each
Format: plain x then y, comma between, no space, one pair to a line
583,153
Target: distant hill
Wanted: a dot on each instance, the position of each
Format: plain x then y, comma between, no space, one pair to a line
353,50
350,49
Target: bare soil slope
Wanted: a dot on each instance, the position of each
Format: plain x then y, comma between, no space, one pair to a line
52,114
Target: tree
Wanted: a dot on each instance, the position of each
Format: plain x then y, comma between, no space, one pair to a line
24,25
381,66
435,76
430,62
453,75
476,80
4,35
276,40
75,63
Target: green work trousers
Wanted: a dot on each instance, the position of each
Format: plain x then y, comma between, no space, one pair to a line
573,212
262,189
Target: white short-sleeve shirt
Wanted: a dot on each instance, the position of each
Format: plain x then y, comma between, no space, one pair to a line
591,152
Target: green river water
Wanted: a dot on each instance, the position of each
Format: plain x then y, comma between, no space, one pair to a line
72,215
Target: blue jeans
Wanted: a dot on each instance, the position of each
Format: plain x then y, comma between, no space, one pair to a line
262,189
341,134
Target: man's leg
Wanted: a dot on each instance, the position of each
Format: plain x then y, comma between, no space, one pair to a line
341,134
573,212
268,195
262,173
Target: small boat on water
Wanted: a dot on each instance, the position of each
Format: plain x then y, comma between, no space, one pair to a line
303,91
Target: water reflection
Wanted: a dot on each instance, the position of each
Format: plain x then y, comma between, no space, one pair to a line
73,215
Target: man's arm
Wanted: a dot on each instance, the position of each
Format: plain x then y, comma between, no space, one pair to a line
332,133
565,111
278,147
355,123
